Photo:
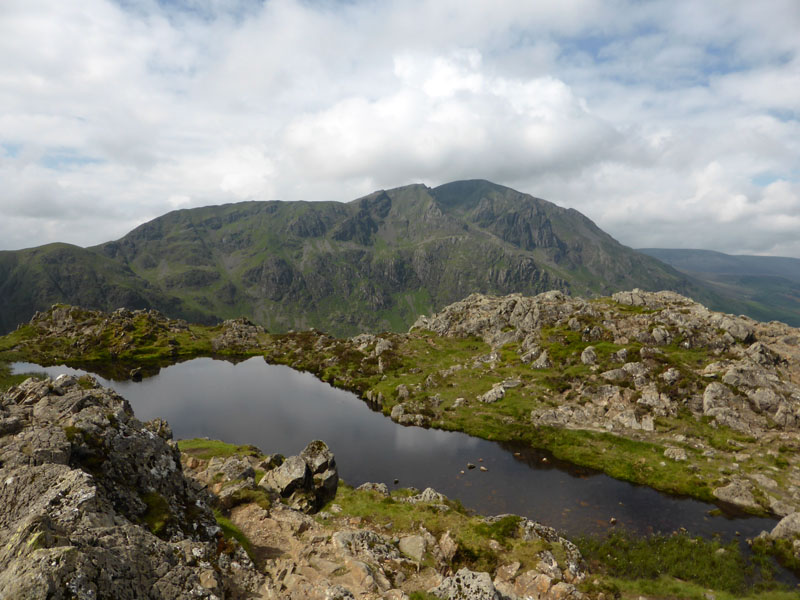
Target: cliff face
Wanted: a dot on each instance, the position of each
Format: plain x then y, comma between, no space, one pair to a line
372,264
95,503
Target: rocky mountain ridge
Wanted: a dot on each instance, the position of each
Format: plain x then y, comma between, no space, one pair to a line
372,264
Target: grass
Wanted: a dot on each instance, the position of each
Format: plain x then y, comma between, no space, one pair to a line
473,535
660,562
231,532
204,449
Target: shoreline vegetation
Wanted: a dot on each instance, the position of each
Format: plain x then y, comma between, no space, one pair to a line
618,565
492,385
437,381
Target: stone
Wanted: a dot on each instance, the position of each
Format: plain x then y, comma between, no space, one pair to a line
413,546
448,547
589,355
677,454
737,492
366,545
787,528
292,475
493,395
716,395
379,488
86,488
467,585
543,362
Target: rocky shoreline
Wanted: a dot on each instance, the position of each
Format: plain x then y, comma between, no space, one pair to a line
649,387
96,504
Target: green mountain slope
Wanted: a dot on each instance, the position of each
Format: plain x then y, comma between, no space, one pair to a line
375,263
35,278
762,287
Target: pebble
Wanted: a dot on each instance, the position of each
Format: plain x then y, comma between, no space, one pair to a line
484,468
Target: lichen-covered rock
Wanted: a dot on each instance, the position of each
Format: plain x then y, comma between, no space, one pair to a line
467,585
94,503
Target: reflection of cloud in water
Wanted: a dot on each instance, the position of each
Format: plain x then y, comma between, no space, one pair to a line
418,439
281,410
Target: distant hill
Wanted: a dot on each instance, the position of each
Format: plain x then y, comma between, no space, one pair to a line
764,287
375,263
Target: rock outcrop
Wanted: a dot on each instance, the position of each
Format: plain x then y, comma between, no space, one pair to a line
643,364
94,503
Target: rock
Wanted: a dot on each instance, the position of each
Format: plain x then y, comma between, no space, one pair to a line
380,488
716,395
739,493
543,362
614,375
447,547
428,495
324,474
366,545
493,395
413,546
788,527
589,355
677,454
467,585
96,505
292,475
402,392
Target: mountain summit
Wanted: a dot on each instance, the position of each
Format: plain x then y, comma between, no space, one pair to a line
371,264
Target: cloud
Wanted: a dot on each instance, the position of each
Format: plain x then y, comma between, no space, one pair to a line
669,123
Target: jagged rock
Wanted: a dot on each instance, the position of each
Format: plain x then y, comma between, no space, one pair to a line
543,362
238,334
493,395
428,495
366,545
95,504
716,395
308,481
292,475
466,585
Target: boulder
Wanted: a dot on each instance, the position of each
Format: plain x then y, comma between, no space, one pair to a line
589,355
292,475
413,546
738,492
95,504
466,585
787,528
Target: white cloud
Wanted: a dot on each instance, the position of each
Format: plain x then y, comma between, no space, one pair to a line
669,123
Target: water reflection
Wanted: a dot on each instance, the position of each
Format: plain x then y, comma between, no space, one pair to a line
281,410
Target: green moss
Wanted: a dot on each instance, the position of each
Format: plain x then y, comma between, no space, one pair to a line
158,515
231,531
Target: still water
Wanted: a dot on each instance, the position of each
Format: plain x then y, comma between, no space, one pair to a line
280,410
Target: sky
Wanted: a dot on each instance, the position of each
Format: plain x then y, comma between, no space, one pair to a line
668,123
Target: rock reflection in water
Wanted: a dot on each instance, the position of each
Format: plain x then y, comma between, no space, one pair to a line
280,410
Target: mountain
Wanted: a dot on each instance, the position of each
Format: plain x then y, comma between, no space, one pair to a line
765,287
375,263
